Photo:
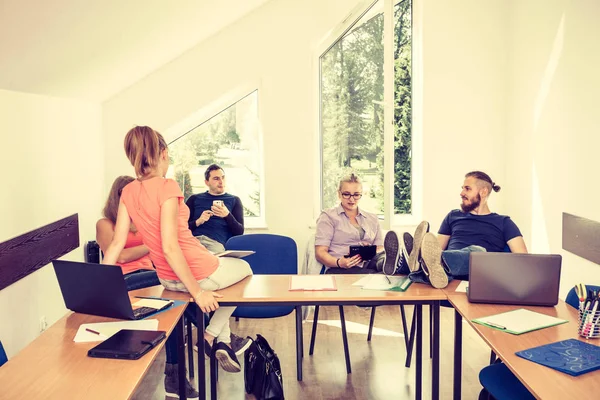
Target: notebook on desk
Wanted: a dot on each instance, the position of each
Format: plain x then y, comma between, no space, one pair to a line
519,279
571,356
98,289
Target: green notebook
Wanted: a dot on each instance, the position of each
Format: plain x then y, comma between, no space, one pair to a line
382,282
519,321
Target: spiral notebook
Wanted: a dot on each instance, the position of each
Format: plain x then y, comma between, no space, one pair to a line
571,356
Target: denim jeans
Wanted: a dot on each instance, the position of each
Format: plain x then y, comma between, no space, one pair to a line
455,263
142,278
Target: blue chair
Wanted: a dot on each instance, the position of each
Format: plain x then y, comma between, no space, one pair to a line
500,383
275,255
3,357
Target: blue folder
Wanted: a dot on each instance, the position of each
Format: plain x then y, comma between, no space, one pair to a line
571,356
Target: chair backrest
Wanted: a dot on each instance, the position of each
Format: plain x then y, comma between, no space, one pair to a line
275,254
3,357
572,298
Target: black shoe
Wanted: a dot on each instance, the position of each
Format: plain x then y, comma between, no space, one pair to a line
391,244
239,344
415,254
172,383
227,358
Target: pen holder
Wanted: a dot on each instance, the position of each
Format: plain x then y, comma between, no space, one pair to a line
589,324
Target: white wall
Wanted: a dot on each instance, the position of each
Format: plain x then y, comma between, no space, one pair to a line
552,140
52,167
271,47
464,98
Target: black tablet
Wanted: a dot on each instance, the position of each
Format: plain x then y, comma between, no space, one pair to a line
366,252
127,344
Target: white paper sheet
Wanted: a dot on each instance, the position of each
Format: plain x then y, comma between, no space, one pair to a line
312,282
152,303
462,287
107,329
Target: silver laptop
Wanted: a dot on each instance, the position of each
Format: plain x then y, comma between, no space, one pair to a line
520,279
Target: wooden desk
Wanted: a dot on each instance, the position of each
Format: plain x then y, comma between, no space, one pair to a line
55,367
544,383
269,290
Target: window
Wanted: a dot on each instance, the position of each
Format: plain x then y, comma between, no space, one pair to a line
231,139
353,94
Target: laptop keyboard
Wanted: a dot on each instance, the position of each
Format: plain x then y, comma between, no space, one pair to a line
143,312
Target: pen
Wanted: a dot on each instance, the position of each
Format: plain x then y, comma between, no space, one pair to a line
495,325
388,279
152,298
93,331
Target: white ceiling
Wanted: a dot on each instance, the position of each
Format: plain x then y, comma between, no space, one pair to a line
93,49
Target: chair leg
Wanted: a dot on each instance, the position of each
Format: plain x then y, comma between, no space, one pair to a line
345,339
313,334
371,323
492,357
190,346
411,340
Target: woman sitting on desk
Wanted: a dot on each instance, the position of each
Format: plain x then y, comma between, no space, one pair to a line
133,260
139,273
346,225
155,205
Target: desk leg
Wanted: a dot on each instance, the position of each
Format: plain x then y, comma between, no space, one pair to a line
419,371
457,355
201,369
299,343
181,357
435,373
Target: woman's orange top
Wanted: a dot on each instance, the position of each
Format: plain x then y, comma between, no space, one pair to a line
144,200
134,240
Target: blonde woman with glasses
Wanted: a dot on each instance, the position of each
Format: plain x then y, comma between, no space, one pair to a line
347,225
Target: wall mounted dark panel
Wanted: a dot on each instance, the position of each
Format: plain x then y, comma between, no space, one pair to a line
29,252
581,236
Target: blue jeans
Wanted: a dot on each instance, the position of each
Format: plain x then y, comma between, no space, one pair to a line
455,263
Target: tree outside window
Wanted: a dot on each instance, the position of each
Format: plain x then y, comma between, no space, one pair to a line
352,109
230,139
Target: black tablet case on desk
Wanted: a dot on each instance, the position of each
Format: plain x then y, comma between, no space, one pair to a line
127,344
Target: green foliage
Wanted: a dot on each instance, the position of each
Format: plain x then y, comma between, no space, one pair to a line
352,108
185,183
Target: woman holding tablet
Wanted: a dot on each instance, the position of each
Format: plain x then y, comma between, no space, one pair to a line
347,225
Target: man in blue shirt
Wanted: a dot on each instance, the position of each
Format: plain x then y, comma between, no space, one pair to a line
472,228
215,216
475,224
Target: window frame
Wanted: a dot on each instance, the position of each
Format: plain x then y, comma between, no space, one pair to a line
389,219
215,107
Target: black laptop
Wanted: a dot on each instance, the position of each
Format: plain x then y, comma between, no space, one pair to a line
509,278
97,289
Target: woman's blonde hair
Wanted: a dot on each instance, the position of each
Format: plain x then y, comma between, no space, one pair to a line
349,179
112,203
143,146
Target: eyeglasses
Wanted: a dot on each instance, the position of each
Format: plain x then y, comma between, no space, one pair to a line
347,195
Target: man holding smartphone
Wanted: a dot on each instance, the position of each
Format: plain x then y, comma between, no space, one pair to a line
215,216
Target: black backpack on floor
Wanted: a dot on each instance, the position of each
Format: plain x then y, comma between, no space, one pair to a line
262,372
